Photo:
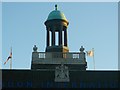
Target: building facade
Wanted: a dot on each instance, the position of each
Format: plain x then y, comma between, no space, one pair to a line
57,67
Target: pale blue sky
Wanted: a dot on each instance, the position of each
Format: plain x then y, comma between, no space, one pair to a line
92,25
0,34
59,0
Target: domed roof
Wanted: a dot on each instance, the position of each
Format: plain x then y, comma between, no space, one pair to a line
56,14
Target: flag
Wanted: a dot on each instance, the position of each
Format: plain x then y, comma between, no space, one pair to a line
10,56
90,53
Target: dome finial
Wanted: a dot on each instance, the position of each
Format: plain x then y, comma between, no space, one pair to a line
55,6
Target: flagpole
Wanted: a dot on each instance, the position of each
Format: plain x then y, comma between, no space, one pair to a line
11,60
93,58
11,63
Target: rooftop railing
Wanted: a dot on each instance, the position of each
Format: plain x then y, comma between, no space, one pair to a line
58,57
44,55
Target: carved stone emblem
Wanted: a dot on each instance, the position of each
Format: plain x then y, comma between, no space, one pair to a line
61,73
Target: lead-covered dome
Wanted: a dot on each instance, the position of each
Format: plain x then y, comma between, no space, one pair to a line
56,14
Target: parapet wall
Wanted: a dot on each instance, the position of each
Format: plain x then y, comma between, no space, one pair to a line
45,79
